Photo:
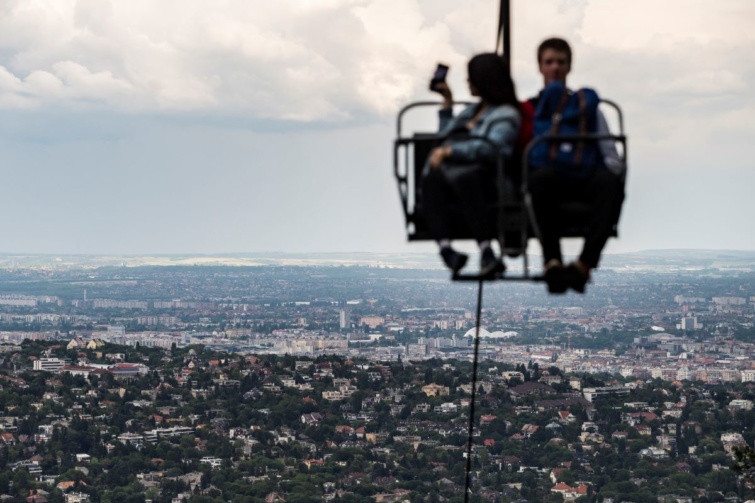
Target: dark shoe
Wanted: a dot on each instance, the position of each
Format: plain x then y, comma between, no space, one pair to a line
576,277
556,279
490,264
453,259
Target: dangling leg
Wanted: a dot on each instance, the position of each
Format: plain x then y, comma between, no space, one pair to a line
605,192
436,197
470,190
545,186
489,263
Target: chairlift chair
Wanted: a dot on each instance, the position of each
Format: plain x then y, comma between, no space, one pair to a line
511,211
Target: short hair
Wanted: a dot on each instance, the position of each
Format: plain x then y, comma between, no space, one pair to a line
489,73
555,43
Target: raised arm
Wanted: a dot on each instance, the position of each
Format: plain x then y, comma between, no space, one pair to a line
446,112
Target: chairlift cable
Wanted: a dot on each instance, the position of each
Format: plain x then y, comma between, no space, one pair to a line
475,352
504,31
502,34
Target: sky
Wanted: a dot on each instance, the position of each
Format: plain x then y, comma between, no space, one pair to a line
187,126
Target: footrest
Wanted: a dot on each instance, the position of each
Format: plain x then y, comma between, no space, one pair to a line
478,277
500,276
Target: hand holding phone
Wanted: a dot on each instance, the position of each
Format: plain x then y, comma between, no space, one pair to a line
439,77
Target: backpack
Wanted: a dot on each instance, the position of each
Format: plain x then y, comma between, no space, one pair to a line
563,112
527,127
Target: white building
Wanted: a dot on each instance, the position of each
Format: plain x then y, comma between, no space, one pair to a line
748,375
740,404
729,301
213,462
49,364
689,323
116,331
77,498
591,393
18,301
685,374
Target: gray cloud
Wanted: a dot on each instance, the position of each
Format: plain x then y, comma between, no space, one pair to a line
136,126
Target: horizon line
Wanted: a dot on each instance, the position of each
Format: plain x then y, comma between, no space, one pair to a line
355,252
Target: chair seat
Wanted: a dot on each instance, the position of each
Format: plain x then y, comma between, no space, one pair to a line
574,216
574,219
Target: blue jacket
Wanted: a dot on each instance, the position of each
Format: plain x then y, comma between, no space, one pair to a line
499,124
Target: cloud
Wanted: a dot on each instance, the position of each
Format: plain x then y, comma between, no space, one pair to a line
296,60
342,60
142,126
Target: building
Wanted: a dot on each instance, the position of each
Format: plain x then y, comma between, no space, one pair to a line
372,321
167,321
116,331
689,323
128,370
49,364
130,438
344,318
729,301
76,343
591,394
740,404
685,374
748,375
77,497
95,344
435,390
18,301
575,383
212,461
416,350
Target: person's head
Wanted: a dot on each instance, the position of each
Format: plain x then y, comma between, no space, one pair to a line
489,78
554,60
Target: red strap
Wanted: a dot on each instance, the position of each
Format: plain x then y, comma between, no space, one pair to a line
526,129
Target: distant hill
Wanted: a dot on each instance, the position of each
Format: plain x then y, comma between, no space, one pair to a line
652,259
695,253
695,259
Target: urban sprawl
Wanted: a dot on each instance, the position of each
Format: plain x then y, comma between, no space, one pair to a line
304,383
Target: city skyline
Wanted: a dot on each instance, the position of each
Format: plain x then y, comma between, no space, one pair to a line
142,128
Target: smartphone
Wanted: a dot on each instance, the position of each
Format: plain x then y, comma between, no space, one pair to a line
439,76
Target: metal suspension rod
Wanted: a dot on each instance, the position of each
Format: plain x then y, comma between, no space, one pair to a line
504,30
475,353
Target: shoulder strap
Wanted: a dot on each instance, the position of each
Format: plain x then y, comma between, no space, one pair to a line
556,121
582,125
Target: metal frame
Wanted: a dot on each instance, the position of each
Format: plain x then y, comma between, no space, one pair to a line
405,177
